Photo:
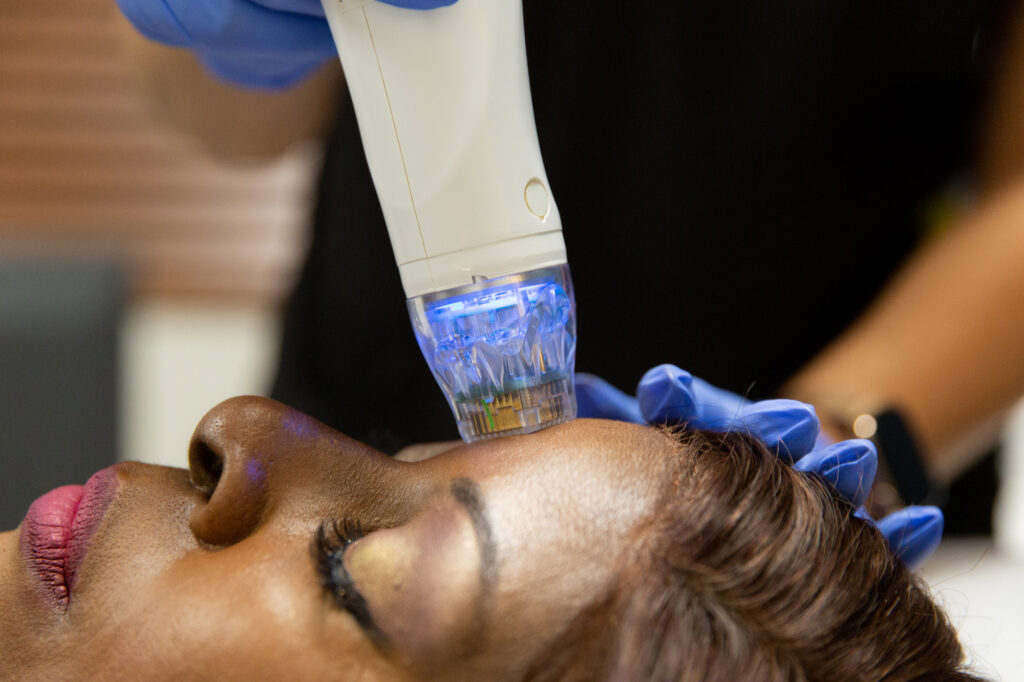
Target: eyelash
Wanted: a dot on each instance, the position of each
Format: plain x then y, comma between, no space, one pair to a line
330,541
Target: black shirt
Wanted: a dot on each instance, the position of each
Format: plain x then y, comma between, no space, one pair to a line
737,181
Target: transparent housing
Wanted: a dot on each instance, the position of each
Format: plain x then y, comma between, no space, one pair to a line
503,351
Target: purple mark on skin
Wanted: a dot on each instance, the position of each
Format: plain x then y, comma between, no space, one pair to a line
298,424
255,471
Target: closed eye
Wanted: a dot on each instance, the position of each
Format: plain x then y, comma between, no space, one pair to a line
331,540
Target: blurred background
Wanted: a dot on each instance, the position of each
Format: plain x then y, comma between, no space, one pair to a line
141,283
139,280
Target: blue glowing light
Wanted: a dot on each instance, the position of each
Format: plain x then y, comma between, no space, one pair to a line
503,351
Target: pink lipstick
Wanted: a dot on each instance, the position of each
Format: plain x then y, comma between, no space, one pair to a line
58,527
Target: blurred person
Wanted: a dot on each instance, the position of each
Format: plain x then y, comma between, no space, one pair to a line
593,550
769,166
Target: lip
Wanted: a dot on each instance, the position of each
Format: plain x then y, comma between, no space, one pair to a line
58,528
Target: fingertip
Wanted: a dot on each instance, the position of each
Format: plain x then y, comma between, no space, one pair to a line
789,426
913,533
664,394
854,471
665,373
848,466
868,457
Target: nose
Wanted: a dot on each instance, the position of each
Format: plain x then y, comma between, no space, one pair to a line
252,456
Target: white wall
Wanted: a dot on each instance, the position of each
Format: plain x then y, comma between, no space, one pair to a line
1009,513
179,360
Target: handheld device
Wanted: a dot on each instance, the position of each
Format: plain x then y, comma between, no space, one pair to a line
443,102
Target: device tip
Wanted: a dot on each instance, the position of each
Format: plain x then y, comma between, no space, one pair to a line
503,351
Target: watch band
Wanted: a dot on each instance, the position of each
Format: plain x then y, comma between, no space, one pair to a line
900,454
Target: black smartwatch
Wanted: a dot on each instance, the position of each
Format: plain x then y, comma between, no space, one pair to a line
900,456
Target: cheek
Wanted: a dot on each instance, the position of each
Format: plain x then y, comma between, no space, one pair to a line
27,624
422,583
243,613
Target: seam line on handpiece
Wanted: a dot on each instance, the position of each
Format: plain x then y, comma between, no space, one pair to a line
500,241
394,125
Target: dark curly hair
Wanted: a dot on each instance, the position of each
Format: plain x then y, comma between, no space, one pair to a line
752,570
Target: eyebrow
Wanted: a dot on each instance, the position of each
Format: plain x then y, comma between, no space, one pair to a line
466,492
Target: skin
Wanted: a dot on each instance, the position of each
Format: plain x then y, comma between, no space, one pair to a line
180,585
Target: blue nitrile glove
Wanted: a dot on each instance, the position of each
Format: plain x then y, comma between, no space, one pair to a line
257,43
669,394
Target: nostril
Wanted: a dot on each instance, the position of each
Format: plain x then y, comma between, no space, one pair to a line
206,467
230,459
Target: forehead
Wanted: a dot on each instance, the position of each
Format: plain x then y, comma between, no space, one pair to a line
599,439
585,461
586,457
565,488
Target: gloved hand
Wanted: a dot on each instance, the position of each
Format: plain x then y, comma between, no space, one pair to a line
256,43
669,394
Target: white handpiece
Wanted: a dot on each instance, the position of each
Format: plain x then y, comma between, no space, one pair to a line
444,109
443,102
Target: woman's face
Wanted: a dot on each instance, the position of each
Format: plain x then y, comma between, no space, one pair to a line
468,563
